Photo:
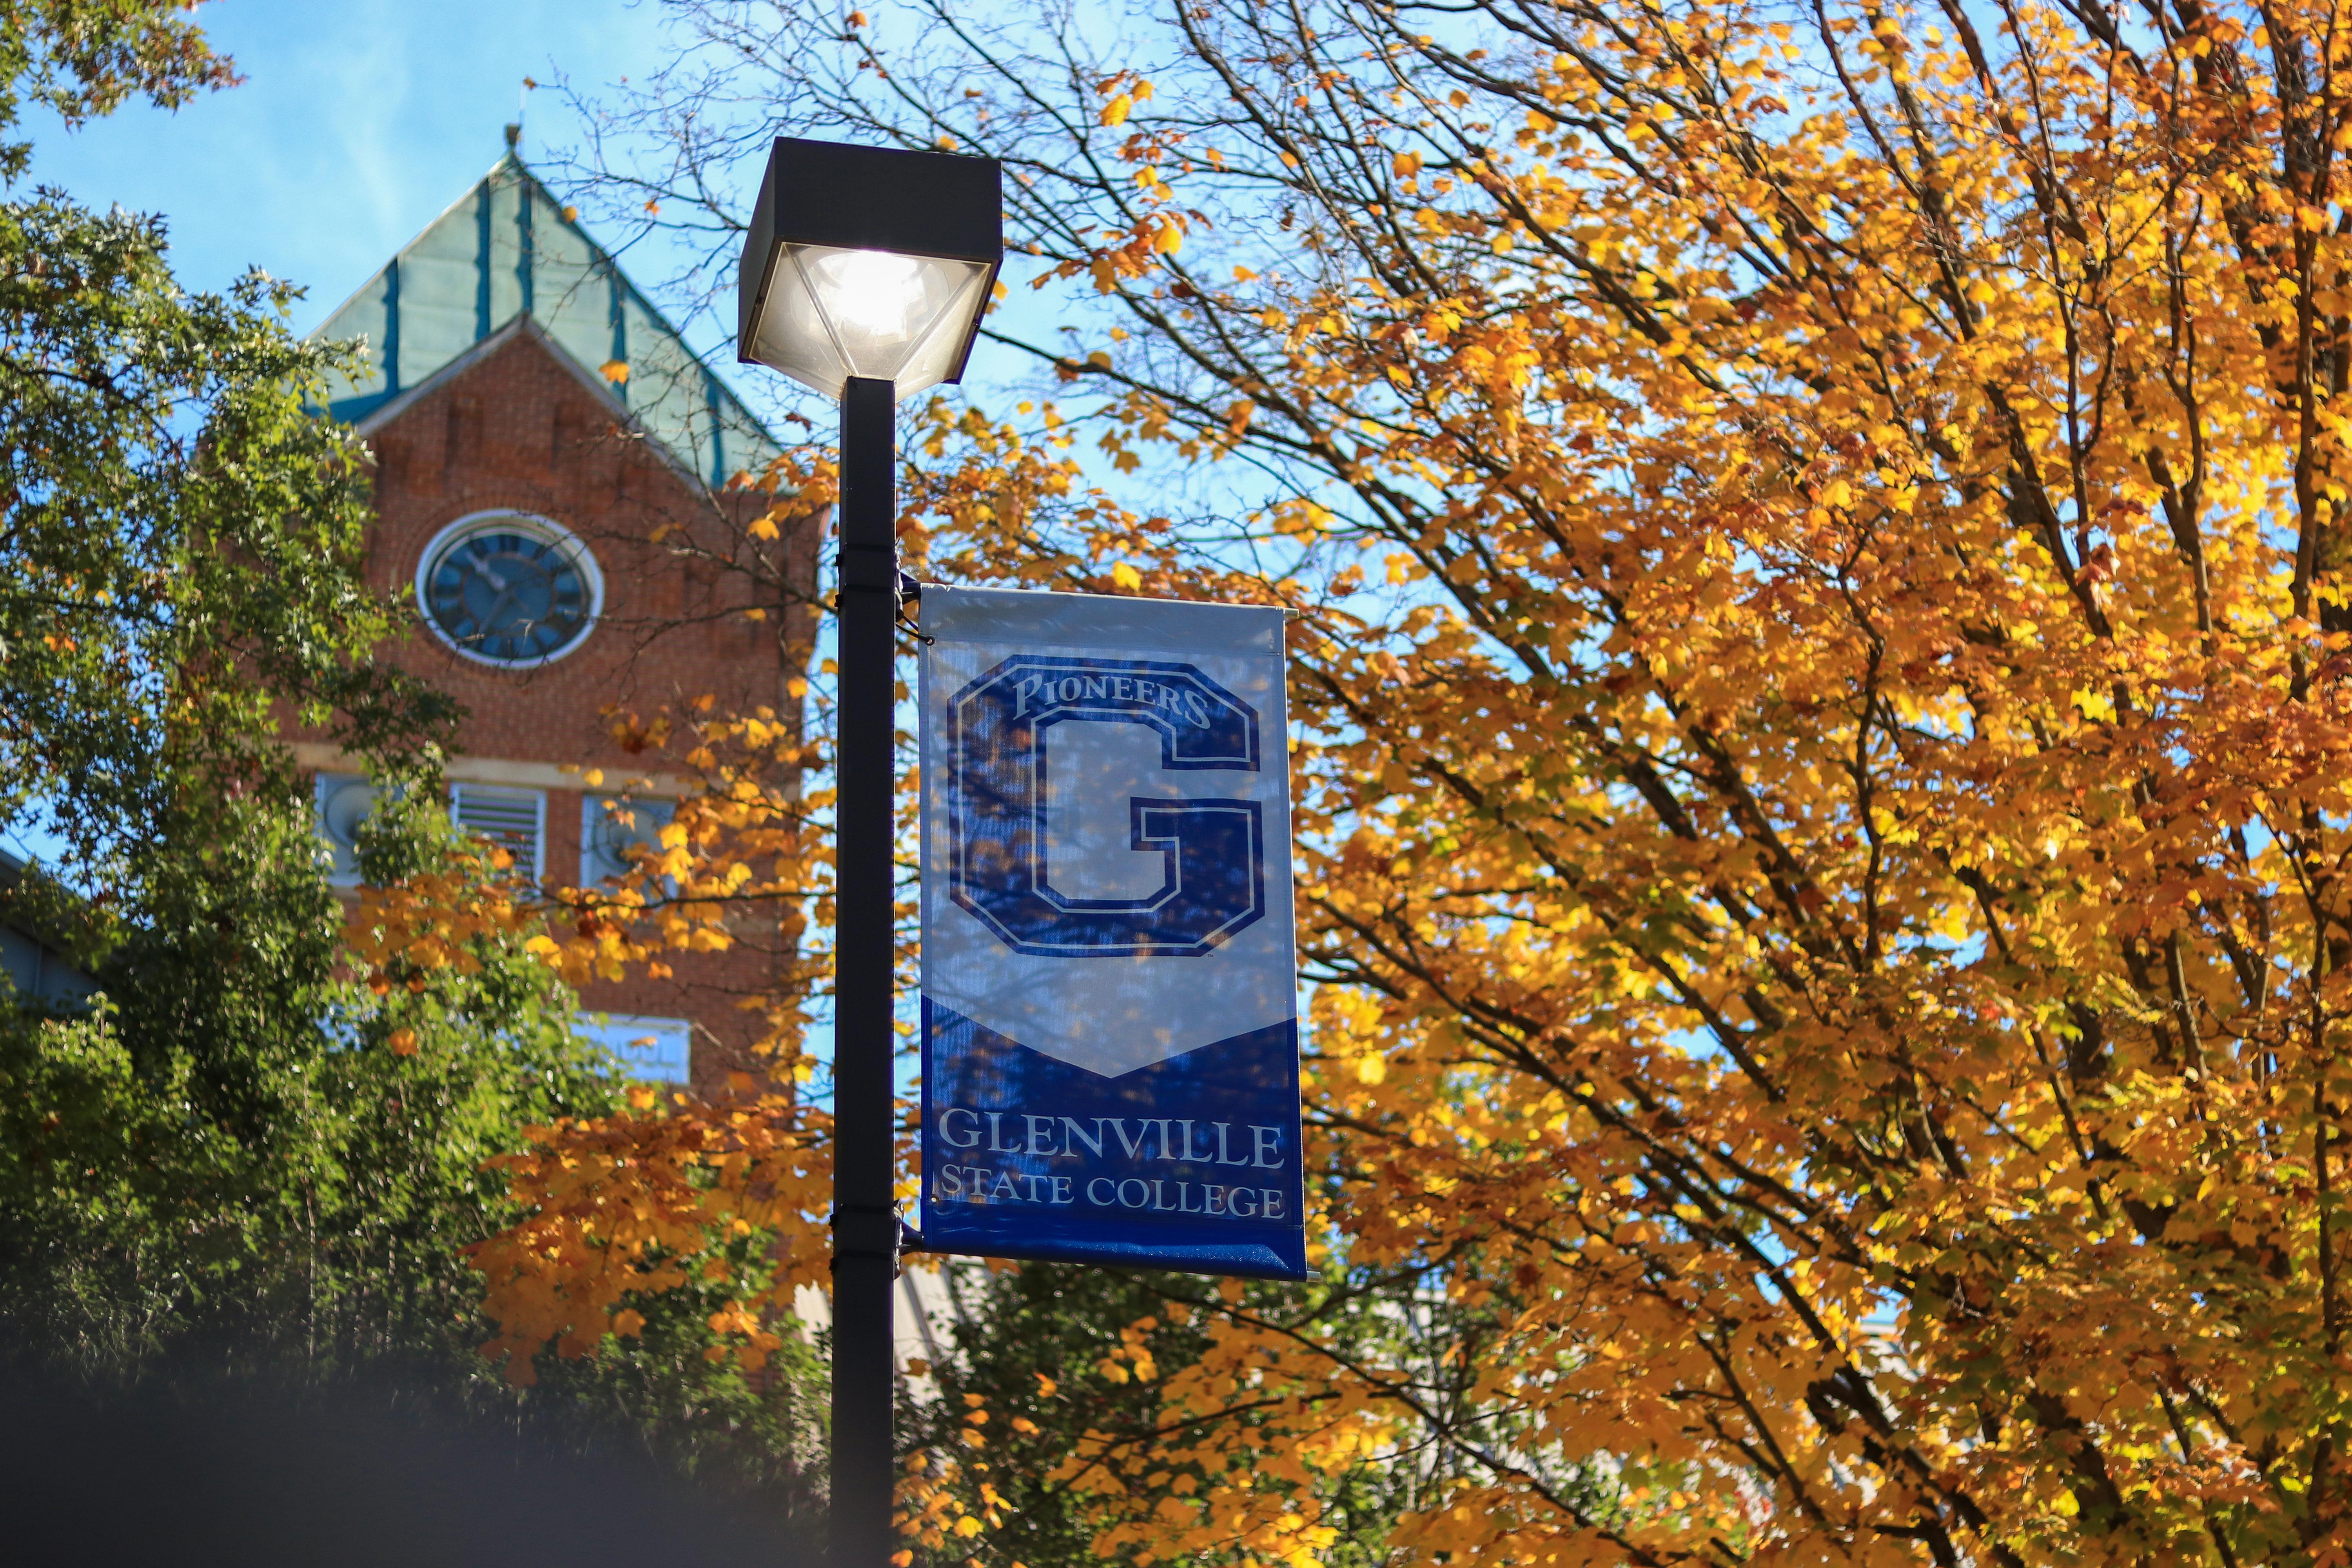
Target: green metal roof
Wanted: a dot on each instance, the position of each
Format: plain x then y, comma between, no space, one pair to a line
506,249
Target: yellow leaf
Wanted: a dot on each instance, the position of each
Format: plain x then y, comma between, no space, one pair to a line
1759,704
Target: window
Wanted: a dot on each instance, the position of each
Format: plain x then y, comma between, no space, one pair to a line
40,974
610,829
513,819
344,803
651,1050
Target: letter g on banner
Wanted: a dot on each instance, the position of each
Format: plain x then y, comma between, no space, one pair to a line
1000,729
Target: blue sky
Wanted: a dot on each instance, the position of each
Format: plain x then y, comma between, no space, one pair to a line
360,121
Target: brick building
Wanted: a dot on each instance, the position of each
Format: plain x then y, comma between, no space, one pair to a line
557,498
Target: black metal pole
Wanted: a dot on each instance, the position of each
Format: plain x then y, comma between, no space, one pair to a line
865,1221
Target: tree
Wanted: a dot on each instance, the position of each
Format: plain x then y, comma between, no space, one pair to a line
242,1157
239,1154
244,1160
179,568
1820,534
182,530
1047,1412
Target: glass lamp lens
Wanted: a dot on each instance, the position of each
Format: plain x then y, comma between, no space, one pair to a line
871,294
832,314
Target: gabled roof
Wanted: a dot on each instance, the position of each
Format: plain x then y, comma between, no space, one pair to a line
506,250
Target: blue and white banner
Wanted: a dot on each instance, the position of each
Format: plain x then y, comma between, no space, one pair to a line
1110,1015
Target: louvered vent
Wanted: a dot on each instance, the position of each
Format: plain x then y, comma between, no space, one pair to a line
513,819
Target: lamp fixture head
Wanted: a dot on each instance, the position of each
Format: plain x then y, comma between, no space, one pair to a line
869,261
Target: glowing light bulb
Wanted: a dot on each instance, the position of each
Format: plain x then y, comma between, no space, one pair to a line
872,291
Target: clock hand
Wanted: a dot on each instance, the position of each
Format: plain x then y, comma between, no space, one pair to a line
490,616
506,590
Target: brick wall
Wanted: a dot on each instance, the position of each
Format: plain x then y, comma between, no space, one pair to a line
518,426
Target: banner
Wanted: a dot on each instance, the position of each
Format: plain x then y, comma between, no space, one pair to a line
1110,1024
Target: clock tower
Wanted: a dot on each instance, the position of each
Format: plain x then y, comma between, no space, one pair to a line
561,496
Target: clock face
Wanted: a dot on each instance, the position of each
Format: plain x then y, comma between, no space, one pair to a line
510,590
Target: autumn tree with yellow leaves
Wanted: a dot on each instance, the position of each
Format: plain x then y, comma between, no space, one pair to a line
1824,683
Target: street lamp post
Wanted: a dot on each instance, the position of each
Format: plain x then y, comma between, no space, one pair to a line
865,276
